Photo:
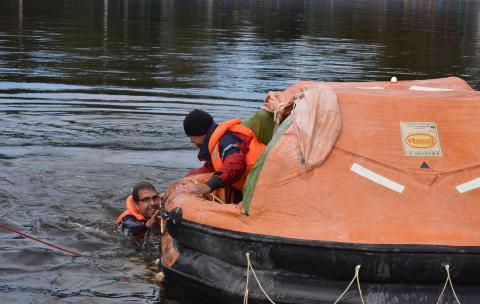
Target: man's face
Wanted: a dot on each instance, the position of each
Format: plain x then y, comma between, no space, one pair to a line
197,140
148,202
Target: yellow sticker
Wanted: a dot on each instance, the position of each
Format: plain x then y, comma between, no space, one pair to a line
420,138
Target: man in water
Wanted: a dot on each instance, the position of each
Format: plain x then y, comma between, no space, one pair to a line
143,211
228,149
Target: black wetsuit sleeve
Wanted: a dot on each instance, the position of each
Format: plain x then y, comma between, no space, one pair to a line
131,226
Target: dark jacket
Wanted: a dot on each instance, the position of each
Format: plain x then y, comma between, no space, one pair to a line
133,227
232,150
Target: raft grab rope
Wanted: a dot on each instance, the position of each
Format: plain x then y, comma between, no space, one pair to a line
447,281
356,278
250,268
214,197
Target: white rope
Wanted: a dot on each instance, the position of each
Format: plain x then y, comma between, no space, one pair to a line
449,280
245,297
357,278
145,238
249,267
191,180
216,198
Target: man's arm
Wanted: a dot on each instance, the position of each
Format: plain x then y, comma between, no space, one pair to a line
231,171
131,226
206,168
231,149
233,167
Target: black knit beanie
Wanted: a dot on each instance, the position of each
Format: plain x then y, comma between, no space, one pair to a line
197,123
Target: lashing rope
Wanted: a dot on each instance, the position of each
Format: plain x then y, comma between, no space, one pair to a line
145,238
245,295
447,281
250,268
357,278
190,180
214,197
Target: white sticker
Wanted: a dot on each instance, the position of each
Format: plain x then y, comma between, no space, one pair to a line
420,138
429,89
377,178
468,186
371,88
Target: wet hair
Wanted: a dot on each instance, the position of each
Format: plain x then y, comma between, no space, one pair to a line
141,186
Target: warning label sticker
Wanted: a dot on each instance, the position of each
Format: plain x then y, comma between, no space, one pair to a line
420,138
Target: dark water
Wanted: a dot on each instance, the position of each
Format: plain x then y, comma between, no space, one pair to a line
93,93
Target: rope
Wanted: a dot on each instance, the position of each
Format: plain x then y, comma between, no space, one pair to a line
356,277
162,229
40,241
245,297
216,198
273,104
449,280
162,208
145,238
249,267
190,180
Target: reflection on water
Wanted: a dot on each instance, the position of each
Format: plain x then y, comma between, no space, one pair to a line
93,93
236,45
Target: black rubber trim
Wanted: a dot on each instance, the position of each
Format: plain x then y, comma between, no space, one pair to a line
206,277
384,248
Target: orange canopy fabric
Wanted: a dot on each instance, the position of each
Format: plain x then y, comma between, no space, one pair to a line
317,123
405,169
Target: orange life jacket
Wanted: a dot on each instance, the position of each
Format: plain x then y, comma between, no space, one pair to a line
255,148
131,210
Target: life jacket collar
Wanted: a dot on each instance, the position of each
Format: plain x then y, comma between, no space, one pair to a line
131,210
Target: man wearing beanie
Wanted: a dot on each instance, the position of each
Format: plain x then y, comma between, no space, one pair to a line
228,149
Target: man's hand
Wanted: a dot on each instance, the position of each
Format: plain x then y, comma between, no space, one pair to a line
162,196
199,189
155,219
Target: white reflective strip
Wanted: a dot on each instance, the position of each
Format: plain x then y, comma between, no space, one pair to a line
473,184
371,88
376,178
215,152
228,148
429,89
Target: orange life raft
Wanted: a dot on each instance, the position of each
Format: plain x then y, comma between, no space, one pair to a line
385,175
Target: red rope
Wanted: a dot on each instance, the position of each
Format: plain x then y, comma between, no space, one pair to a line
43,242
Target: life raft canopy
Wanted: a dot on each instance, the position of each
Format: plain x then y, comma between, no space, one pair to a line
309,123
360,163
315,117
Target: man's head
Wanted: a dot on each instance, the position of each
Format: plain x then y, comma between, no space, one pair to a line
146,199
196,125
